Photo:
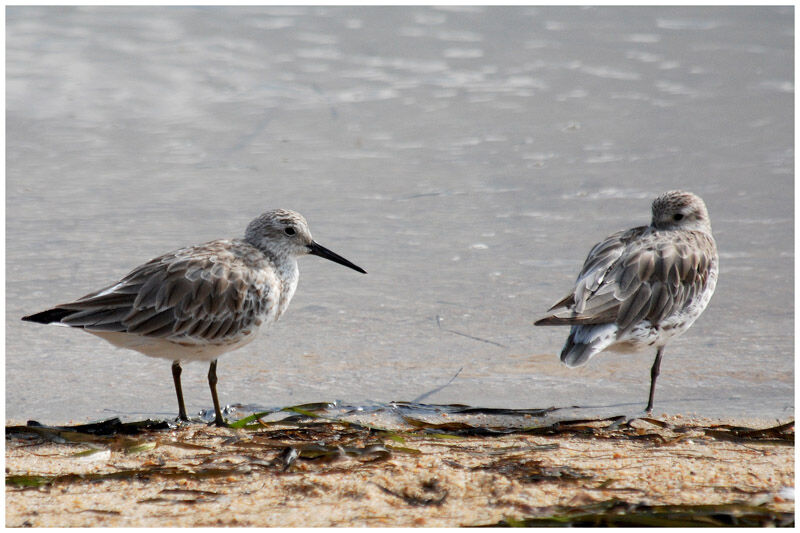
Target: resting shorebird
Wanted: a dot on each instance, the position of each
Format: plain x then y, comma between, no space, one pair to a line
196,303
643,286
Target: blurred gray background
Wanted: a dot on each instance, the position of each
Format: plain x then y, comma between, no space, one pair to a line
468,158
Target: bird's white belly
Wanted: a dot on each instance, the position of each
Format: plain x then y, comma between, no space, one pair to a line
182,350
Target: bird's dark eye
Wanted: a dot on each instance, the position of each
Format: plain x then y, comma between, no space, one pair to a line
677,216
289,231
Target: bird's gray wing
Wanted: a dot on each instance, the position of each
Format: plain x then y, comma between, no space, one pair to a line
590,296
636,275
204,293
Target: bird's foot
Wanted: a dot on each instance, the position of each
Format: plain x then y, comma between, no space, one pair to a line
219,422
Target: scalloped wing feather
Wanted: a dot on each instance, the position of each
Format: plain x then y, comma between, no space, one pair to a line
208,292
637,275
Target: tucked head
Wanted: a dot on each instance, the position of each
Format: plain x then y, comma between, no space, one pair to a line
283,232
680,210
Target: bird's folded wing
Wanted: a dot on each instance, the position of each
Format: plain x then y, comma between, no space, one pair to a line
202,296
636,275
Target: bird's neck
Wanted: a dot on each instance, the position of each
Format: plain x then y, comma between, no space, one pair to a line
285,264
289,274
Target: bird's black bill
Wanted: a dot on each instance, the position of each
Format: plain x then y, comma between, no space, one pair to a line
316,249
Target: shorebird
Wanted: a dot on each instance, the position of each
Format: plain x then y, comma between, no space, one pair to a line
198,302
641,287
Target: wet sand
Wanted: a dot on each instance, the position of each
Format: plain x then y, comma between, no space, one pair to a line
467,157
314,472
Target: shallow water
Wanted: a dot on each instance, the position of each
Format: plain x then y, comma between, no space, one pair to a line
467,158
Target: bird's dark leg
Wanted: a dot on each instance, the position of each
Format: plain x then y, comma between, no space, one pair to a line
212,382
176,377
653,375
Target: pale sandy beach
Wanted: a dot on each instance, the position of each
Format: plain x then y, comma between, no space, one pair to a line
351,476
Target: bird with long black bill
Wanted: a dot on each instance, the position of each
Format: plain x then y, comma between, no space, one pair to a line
199,302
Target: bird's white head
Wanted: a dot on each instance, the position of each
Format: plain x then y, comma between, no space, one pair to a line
680,210
283,233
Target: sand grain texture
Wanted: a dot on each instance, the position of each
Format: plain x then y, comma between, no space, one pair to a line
352,476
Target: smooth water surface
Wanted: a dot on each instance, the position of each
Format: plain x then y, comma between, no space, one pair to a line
467,158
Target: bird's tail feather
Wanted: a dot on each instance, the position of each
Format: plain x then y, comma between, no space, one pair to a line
586,341
49,316
576,354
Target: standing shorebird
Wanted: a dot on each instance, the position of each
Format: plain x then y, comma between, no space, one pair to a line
196,303
643,286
